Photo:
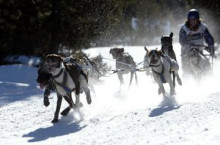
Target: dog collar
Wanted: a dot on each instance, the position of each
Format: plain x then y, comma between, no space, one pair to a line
154,65
56,76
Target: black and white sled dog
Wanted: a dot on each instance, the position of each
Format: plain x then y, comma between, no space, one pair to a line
162,66
166,48
93,67
45,82
124,64
67,78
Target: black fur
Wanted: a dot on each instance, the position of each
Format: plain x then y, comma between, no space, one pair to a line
44,79
167,43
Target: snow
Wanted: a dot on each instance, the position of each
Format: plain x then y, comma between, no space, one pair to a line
32,61
134,116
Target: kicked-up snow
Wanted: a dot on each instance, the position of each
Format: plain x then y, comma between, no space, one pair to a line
117,116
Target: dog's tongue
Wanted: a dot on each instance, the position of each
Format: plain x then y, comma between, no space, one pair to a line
41,85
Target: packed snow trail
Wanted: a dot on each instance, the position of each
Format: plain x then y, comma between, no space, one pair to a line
134,116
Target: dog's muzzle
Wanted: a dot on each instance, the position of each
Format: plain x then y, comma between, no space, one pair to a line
51,66
154,61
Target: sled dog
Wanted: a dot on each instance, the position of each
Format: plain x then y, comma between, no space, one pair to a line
162,67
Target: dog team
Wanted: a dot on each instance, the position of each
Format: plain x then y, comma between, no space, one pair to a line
77,75
67,75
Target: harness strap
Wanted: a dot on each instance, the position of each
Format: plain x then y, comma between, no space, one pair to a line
61,71
162,78
68,90
154,65
94,65
65,78
74,72
63,84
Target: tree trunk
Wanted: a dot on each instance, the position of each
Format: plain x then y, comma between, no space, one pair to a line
55,27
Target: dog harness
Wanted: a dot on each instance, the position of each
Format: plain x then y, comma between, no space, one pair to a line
161,74
162,78
63,84
56,76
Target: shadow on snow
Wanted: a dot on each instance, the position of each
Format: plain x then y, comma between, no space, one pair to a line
159,111
53,131
168,104
17,82
16,93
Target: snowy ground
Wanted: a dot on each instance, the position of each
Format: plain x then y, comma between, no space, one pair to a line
126,117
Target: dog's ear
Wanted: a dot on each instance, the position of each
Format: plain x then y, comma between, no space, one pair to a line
160,53
145,48
60,58
171,35
122,50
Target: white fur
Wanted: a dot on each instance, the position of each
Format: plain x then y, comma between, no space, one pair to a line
168,65
69,83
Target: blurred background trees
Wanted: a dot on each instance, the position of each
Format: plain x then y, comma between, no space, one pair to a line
39,27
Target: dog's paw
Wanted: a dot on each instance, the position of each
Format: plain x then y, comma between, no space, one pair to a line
55,120
78,105
89,100
172,92
159,91
46,102
65,111
179,81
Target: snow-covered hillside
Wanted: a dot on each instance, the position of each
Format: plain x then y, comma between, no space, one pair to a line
134,116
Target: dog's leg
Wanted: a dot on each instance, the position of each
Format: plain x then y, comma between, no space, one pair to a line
136,78
161,90
77,94
92,86
131,78
160,84
172,90
78,103
66,111
56,115
70,102
77,99
174,77
85,88
88,96
46,95
120,78
178,79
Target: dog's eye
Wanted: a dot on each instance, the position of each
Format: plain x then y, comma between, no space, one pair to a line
48,61
53,63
